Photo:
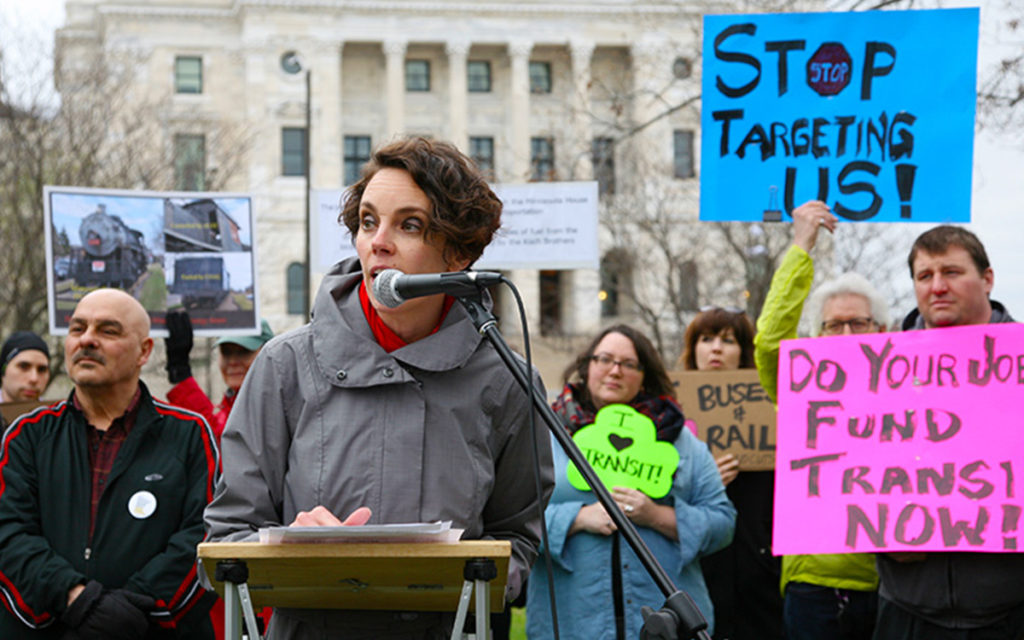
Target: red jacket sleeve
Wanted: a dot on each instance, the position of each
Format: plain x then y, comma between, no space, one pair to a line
189,395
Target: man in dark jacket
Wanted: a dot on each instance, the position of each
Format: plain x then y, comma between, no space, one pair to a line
942,595
102,496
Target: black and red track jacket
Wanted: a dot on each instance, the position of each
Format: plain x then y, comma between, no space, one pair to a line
45,548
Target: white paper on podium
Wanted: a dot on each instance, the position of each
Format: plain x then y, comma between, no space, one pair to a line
440,531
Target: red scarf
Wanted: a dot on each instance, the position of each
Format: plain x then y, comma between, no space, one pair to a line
386,338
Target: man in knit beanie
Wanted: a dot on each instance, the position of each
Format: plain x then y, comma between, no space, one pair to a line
24,367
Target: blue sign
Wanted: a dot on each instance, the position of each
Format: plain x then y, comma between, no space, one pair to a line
871,112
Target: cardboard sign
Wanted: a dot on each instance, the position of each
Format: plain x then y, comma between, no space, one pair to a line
623,449
901,442
192,251
869,111
11,410
730,412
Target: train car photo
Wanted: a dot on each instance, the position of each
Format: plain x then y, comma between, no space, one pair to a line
201,281
200,225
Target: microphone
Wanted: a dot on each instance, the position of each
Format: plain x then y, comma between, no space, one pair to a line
391,287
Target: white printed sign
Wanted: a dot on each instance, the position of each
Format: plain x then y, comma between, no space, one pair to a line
544,225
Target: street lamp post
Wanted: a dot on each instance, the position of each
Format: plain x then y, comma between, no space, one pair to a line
309,172
291,63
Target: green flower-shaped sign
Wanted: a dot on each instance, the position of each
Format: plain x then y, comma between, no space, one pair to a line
623,449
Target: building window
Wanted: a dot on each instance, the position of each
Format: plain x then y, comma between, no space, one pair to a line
417,75
478,76
688,293
357,153
188,74
481,150
189,162
293,151
540,77
542,159
295,285
603,159
683,141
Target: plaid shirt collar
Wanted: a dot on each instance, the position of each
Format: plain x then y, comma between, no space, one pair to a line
126,421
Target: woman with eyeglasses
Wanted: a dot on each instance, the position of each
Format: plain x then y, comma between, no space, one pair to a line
827,596
599,583
743,578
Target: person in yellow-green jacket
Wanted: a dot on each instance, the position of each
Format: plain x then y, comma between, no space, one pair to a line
826,596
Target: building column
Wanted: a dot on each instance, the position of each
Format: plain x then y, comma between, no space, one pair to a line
457,51
580,52
519,122
326,115
394,53
581,308
651,73
518,128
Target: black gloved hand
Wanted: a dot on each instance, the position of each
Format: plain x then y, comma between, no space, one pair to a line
179,345
108,615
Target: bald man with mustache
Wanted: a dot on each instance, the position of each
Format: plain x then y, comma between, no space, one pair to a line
102,496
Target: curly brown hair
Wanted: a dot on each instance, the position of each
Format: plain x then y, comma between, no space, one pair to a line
465,212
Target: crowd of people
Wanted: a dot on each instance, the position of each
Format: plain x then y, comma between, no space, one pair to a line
374,414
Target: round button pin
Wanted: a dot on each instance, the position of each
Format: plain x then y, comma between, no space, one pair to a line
142,505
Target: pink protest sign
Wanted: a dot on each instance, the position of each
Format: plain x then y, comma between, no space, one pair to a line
901,442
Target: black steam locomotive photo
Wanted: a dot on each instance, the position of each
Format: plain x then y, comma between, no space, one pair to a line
113,254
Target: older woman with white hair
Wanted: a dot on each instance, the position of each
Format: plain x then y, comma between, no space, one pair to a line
826,596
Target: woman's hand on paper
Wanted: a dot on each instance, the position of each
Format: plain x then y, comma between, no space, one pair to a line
319,516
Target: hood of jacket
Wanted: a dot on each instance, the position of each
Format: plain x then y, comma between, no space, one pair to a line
348,355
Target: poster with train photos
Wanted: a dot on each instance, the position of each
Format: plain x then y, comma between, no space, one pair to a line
168,250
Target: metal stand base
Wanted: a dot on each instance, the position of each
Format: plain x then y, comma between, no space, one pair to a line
237,602
477,574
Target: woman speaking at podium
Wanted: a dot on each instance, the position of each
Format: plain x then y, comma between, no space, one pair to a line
388,415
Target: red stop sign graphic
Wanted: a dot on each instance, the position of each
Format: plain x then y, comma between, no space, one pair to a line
829,69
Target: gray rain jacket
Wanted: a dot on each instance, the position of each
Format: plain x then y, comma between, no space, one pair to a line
435,430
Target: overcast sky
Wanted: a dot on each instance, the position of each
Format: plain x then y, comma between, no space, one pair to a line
998,182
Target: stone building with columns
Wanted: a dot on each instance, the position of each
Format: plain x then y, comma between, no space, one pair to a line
531,89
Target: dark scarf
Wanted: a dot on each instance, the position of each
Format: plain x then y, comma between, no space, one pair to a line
663,410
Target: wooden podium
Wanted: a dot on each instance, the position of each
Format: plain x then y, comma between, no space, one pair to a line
360,576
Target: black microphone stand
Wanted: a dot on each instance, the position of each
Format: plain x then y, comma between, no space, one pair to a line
679,617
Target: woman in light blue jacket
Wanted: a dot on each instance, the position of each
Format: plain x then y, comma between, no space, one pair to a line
599,582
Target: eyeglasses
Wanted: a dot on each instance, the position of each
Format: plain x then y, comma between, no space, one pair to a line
605,361
857,325
712,307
